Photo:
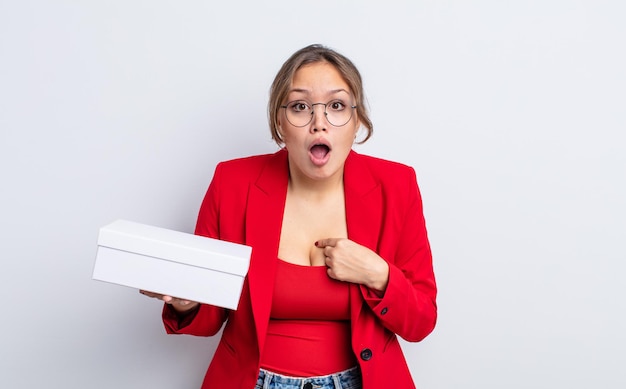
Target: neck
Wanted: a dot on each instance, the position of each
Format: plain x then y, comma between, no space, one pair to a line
311,187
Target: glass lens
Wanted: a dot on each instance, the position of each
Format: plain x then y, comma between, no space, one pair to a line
299,113
338,113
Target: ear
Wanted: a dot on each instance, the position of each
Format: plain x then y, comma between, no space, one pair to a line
281,136
357,128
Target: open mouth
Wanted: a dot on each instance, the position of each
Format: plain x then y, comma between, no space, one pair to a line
319,151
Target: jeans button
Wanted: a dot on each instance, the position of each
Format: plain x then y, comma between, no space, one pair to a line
308,385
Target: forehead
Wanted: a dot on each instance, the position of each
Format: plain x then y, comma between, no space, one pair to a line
319,78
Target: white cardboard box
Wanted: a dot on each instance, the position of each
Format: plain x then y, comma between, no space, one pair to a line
174,263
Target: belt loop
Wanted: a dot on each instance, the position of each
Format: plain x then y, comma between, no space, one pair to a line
267,379
336,381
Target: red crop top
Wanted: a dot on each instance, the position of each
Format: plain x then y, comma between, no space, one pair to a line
309,328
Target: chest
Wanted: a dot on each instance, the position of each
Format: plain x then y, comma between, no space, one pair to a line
305,222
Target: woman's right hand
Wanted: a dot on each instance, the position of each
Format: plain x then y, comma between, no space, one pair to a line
180,305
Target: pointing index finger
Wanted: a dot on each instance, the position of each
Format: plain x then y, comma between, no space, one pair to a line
326,242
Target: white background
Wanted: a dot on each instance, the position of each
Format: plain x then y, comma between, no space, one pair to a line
512,113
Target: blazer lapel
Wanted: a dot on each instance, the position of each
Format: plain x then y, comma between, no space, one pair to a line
364,208
363,202
264,215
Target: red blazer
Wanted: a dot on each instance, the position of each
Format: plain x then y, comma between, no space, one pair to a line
245,203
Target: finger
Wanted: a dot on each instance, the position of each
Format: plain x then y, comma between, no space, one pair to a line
331,274
328,242
150,294
177,301
166,299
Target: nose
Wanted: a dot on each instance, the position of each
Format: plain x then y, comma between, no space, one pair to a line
319,122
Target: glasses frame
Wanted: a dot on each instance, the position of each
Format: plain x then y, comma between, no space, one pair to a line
352,107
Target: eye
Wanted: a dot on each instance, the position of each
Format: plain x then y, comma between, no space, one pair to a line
336,105
299,106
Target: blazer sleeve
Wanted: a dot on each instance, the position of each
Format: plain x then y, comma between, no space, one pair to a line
208,319
408,306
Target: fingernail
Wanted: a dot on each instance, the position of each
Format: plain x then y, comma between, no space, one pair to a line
316,244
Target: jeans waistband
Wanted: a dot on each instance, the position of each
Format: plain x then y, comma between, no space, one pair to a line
347,379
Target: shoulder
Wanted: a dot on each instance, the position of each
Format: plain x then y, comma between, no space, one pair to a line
248,167
377,163
382,170
249,162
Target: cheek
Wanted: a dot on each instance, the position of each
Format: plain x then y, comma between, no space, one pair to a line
357,127
290,139
346,143
351,136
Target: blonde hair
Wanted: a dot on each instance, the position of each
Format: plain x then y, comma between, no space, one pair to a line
308,55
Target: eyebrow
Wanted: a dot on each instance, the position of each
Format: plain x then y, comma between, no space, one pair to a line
306,91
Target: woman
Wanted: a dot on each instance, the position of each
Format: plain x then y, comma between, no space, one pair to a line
341,262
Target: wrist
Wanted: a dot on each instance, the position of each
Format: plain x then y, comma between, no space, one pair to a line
380,280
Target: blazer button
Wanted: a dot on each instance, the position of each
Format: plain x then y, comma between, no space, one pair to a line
366,354
384,311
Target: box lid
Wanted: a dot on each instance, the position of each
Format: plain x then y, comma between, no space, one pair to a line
176,246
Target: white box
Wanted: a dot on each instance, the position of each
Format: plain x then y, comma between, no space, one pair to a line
173,263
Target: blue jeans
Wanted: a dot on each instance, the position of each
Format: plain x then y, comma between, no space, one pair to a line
348,379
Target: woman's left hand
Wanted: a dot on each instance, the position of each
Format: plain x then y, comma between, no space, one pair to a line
349,261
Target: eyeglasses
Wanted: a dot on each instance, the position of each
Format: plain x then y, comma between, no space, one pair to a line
300,113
